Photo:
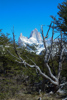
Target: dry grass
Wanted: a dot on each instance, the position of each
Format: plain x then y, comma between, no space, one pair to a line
22,96
11,90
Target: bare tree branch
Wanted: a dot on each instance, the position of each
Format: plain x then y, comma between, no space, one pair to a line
46,53
12,54
52,78
61,54
37,67
50,52
43,74
49,29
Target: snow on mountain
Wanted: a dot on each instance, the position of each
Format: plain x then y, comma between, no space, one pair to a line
35,34
34,39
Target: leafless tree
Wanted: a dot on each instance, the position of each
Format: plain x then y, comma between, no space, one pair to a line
48,54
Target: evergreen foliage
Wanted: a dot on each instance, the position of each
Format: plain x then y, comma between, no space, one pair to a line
12,73
62,20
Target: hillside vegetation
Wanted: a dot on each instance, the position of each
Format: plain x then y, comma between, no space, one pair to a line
19,82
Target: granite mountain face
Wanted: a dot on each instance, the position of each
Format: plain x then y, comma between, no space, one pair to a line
35,34
34,39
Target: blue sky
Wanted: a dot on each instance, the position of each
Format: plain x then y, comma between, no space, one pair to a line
26,15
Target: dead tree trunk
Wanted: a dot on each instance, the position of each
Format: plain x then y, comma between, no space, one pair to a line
48,53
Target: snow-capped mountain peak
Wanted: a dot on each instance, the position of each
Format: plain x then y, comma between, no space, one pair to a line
20,35
34,39
35,34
